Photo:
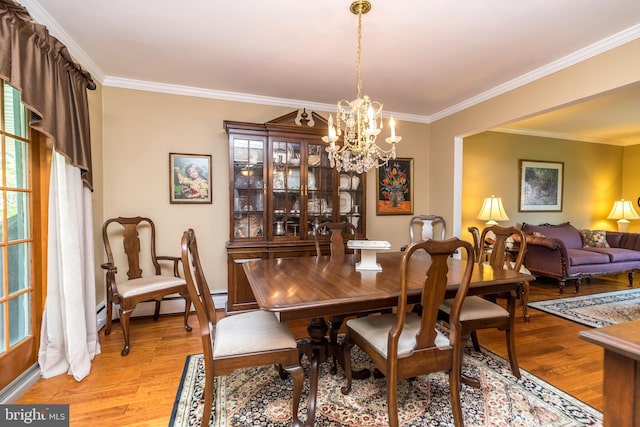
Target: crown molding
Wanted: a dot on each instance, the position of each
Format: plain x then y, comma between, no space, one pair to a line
237,97
560,135
590,51
213,94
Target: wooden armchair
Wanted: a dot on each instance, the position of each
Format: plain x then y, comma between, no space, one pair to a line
480,313
248,339
144,279
405,344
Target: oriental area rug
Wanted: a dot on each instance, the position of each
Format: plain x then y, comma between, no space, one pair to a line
259,397
595,310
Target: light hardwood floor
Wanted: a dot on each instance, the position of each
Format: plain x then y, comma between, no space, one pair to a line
139,389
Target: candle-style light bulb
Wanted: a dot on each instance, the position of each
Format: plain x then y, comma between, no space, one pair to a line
392,125
332,130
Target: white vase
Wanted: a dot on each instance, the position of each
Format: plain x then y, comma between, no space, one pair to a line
354,221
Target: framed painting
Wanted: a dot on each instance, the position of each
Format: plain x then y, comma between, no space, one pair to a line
541,185
190,178
395,188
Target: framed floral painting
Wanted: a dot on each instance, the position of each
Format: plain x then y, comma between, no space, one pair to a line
190,175
395,188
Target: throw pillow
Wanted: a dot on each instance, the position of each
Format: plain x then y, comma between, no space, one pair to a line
594,239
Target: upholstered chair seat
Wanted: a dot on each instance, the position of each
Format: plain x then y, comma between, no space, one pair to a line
476,308
145,285
375,330
252,332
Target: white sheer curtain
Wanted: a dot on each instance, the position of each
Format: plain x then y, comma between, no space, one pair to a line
69,336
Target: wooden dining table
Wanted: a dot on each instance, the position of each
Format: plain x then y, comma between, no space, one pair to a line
317,288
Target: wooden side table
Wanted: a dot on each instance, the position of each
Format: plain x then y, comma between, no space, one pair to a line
621,388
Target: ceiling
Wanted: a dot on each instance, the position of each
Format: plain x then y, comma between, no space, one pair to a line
423,59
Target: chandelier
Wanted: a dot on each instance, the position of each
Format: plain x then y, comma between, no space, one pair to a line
359,122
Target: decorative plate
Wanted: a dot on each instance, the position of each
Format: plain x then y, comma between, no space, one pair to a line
345,182
345,202
311,181
293,180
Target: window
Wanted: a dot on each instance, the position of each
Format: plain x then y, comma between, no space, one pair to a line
17,293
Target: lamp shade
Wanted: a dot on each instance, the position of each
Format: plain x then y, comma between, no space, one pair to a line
492,211
623,211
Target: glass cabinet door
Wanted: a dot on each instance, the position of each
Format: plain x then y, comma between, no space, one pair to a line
287,189
249,190
350,199
320,188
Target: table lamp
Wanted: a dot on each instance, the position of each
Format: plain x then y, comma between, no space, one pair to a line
492,211
623,211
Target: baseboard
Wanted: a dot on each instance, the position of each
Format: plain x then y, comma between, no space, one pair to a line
20,385
170,305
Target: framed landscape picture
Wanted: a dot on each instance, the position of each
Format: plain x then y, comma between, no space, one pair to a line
541,185
190,176
395,188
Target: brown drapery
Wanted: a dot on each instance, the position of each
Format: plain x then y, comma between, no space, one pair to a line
53,86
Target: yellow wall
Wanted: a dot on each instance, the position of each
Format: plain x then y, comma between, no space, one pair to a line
613,69
592,178
136,131
631,180
142,128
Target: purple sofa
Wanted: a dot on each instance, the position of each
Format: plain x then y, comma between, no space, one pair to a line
566,253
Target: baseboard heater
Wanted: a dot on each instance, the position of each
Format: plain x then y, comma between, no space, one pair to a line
170,305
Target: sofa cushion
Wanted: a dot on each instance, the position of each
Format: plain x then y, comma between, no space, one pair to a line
617,254
584,257
566,232
629,241
594,238
614,238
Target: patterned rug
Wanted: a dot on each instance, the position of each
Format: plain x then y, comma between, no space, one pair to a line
258,397
596,310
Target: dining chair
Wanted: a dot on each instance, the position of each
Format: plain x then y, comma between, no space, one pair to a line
483,312
428,225
477,250
253,338
339,233
145,279
404,344
516,250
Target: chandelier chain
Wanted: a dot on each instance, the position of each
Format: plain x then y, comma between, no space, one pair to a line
358,74
359,122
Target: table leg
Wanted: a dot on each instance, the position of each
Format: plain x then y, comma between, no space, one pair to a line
313,391
318,349
524,295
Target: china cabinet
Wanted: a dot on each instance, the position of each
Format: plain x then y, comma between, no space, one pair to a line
281,187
